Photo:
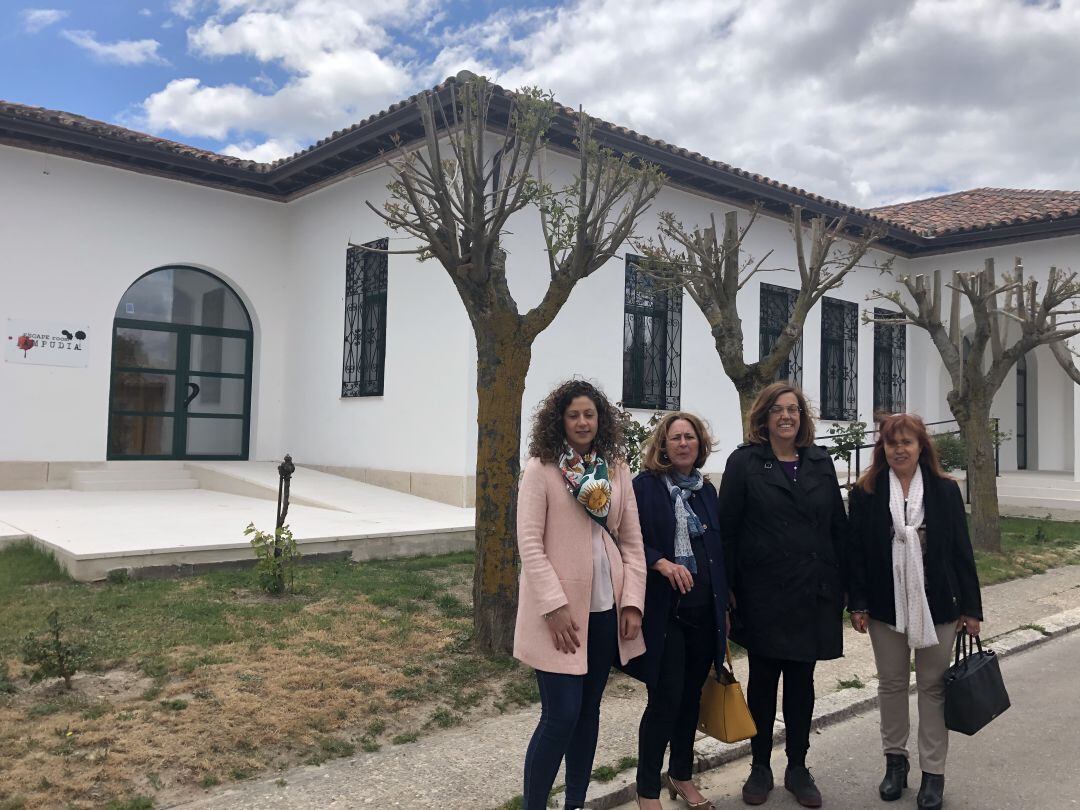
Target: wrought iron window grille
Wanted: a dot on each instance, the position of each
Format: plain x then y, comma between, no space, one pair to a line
652,340
777,307
890,363
839,359
365,320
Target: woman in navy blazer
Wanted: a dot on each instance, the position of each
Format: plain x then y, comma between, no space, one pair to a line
685,622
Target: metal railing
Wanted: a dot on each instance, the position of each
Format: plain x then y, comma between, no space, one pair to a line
967,479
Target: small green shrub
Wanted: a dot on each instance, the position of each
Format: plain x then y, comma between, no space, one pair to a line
952,451
52,654
277,556
847,439
636,435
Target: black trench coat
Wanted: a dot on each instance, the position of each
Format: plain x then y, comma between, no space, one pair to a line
784,545
952,583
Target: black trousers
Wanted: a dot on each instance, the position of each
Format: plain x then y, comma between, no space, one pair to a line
798,705
671,715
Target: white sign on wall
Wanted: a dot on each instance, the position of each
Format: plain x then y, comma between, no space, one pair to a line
45,344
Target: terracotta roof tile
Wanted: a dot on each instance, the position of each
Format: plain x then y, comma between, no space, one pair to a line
974,210
981,208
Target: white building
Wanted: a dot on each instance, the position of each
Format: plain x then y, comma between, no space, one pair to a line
212,294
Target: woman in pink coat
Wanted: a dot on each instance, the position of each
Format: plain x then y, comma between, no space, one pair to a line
582,587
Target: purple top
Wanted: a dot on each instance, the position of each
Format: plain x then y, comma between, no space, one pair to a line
791,469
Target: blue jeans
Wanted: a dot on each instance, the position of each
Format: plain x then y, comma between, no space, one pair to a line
570,719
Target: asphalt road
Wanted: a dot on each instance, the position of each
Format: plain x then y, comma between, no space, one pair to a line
1028,758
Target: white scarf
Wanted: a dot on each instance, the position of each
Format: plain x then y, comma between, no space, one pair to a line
909,585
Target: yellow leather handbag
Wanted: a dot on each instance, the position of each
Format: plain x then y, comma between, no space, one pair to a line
724,714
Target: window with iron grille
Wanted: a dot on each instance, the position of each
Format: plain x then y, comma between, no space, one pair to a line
839,359
365,320
890,363
777,307
652,340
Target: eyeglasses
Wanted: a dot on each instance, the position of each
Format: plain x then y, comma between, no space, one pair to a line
790,410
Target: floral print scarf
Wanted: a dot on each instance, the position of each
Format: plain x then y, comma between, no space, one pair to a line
587,479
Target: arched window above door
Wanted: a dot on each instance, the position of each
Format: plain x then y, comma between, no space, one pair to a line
184,296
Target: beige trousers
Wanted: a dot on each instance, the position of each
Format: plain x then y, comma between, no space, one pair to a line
893,658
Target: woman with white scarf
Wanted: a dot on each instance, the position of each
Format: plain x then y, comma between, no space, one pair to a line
685,624
913,585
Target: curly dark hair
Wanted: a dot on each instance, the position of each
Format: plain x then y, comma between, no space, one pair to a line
548,437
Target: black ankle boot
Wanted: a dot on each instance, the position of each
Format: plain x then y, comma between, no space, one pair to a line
931,792
896,771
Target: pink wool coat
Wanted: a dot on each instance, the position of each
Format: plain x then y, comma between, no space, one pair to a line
555,541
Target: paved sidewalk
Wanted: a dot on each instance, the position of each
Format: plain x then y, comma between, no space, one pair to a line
479,766
1012,763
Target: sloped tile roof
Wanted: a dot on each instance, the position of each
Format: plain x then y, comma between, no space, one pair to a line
981,208
79,123
910,223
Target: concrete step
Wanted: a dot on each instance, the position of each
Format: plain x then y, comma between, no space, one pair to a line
132,484
134,476
131,473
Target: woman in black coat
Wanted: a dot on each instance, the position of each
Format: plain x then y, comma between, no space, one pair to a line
785,531
686,600
913,584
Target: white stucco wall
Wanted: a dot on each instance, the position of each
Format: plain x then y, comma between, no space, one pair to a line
1051,434
420,424
75,236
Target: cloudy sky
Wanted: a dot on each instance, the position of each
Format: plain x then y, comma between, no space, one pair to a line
866,101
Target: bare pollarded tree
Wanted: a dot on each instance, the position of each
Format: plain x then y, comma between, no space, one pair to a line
1026,320
713,272
455,194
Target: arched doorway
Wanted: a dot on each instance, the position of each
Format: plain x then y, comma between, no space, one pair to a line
182,351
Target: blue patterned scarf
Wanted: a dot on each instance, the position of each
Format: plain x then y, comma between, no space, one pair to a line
687,524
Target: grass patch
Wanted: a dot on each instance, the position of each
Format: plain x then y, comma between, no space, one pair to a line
365,652
849,683
328,748
1038,628
1029,547
444,718
25,564
134,803
605,773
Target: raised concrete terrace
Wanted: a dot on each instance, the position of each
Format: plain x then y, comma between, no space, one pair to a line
121,522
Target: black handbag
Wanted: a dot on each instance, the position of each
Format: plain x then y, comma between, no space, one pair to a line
974,691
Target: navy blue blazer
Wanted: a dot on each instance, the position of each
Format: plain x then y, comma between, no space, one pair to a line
657,516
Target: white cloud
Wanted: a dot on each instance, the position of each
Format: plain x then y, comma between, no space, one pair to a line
145,12
342,61
121,52
864,102
36,19
266,152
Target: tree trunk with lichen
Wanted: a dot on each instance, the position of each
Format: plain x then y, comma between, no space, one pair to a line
972,413
503,358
